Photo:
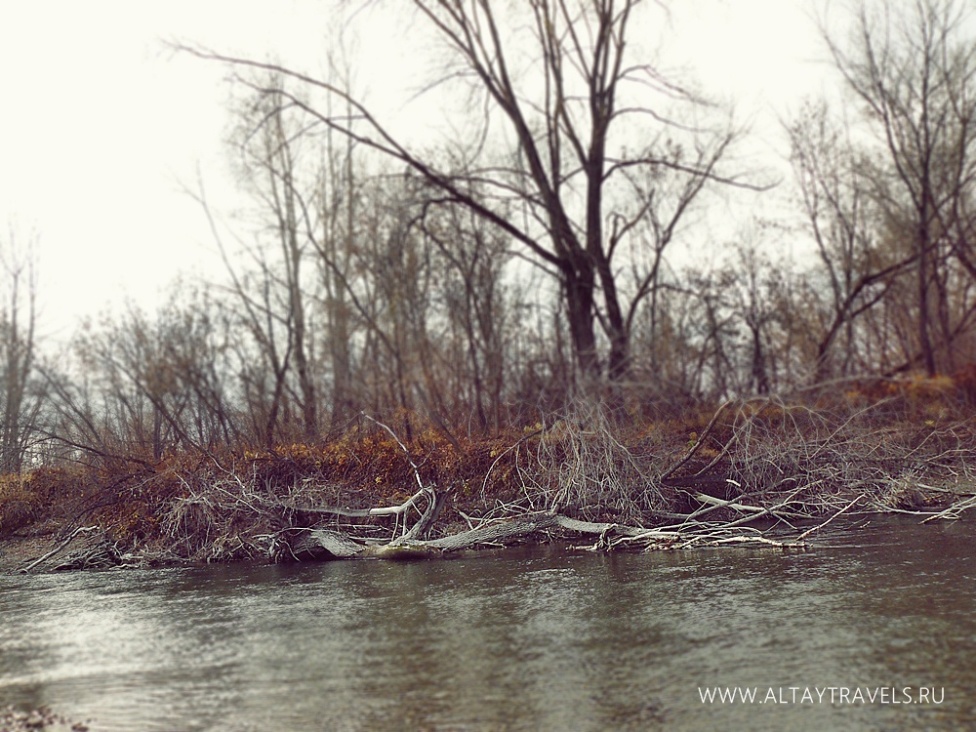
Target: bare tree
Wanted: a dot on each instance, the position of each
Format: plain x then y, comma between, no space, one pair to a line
847,228
148,383
21,400
475,308
913,69
554,77
338,203
271,155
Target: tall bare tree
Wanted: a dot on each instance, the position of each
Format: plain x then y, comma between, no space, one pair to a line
271,153
834,192
555,81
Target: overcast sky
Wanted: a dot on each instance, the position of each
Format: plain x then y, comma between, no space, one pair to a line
103,126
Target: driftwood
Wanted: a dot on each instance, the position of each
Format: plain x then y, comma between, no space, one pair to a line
322,543
60,547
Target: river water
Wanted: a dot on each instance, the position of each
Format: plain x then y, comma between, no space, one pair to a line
841,637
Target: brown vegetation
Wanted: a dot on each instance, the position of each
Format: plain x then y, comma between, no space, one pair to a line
754,465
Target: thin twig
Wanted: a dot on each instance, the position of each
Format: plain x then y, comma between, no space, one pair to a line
809,531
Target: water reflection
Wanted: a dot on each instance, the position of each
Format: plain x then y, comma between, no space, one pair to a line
533,640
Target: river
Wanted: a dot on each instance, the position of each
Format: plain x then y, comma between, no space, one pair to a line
840,637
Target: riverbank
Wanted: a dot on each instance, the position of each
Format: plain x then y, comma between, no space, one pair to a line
587,476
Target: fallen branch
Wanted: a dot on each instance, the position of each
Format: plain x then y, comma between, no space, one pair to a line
312,543
323,543
807,533
60,547
732,505
397,510
413,465
953,512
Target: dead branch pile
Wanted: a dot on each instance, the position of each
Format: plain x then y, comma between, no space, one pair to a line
758,466
99,554
805,462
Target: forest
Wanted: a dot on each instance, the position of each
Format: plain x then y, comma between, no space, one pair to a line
527,325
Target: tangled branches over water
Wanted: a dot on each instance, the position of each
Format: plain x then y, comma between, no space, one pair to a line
761,456
816,460
610,476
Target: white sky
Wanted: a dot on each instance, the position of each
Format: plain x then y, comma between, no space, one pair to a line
102,125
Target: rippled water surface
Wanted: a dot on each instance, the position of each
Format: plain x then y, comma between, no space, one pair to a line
529,640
